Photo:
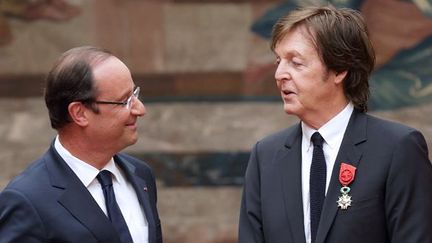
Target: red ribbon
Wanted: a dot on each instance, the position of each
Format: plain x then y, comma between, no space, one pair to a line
346,174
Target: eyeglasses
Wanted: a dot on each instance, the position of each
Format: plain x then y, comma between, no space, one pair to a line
127,104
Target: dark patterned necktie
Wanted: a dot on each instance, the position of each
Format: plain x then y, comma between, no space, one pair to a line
317,182
114,213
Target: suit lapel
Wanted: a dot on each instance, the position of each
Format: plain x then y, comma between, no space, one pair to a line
77,199
289,160
140,186
349,153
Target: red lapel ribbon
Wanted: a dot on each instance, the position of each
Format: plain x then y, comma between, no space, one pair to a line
346,174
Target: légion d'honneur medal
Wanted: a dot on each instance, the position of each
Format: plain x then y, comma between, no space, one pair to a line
346,176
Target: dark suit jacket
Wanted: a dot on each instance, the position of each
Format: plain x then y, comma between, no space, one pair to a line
48,203
391,192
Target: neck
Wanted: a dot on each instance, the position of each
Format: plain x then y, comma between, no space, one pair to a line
84,149
319,118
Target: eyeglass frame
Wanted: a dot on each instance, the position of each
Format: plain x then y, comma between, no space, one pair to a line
128,103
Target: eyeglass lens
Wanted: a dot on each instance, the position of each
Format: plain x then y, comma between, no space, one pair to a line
131,100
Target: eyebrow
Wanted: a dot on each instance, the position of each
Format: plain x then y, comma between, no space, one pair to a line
290,54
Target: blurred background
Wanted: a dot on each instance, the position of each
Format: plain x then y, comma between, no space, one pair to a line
206,74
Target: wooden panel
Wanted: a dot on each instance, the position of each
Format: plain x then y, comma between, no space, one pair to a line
211,86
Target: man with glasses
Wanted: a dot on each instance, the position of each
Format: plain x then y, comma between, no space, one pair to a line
83,189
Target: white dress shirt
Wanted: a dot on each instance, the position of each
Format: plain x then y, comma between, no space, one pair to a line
332,132
124,192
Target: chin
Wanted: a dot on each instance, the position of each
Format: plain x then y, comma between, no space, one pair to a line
130,141
290,109
133,140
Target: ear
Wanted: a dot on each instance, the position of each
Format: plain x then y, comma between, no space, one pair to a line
78,113
339,78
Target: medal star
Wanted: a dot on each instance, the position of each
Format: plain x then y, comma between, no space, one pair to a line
344,201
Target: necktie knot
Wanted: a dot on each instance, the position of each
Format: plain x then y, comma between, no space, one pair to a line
104,178
317,139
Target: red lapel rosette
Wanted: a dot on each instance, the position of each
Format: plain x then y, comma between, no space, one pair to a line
346,174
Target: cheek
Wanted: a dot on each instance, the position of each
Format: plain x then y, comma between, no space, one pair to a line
108,125
305,94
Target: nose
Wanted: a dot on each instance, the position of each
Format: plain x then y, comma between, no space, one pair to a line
281,72
138,108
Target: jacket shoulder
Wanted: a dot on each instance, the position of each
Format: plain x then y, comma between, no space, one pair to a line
25,180
388,128
141,167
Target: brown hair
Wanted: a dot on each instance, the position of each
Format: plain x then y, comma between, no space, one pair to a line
71,79
342,41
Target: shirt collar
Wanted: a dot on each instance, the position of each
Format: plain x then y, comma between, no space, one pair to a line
331,131
112,167
85,172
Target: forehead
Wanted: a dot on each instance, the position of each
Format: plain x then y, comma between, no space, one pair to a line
111,70
108,66
298,41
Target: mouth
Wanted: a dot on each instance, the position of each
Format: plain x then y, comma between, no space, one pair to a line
287,92
131,124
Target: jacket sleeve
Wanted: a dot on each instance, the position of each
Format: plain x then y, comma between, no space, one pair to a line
250,223
19,221
408,194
